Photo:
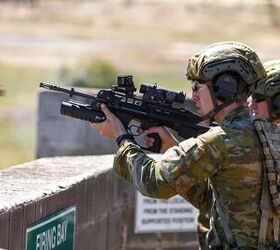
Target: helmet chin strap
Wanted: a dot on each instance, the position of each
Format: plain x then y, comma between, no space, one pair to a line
272,115
210,115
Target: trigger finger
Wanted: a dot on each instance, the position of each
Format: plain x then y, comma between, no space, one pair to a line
150,139
106,111
140,131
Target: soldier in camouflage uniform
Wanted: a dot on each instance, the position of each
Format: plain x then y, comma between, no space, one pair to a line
265,102
265,106
223,76
260,106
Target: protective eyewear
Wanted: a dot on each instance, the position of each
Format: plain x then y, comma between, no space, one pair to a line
196,85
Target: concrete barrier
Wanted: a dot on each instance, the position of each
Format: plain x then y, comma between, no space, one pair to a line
61,135
104,205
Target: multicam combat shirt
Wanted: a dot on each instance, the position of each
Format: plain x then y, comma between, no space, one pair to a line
229,155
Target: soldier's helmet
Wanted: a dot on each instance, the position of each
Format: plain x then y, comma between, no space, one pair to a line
230,69
268,89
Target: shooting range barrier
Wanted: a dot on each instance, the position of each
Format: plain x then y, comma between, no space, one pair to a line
74,203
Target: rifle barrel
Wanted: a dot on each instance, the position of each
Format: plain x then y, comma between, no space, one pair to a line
71,92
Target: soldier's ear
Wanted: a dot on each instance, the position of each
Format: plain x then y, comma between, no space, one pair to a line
276,103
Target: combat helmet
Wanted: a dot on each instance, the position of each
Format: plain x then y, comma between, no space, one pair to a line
268,89
230,70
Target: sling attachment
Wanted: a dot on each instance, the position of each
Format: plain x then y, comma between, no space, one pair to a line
212,237
223,220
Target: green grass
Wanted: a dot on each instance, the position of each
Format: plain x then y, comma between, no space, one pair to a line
17,142
18,112
21,85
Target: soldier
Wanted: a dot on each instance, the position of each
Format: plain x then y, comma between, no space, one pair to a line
265,102
228,156
265,106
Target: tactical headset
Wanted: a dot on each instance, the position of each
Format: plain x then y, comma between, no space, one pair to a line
272,98
228,80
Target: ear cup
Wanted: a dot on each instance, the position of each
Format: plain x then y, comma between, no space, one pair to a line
226,86
276,102
274,107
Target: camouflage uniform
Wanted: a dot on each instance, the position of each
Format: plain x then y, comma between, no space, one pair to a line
202,219
272,69
228,155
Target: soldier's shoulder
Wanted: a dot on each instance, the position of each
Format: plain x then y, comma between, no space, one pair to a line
224,137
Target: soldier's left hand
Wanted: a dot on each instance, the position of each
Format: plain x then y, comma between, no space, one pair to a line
111,127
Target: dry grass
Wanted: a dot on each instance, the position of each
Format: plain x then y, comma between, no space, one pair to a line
131,33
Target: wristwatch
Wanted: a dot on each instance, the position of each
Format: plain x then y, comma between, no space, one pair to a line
124,137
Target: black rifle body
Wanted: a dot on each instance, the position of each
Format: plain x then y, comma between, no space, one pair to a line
156,107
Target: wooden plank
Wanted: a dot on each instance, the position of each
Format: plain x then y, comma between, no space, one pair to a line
16,225
4,230
29,217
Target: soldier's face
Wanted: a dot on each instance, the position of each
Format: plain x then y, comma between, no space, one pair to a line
202,98
259,109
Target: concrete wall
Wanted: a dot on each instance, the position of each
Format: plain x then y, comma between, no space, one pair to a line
104,205
61,135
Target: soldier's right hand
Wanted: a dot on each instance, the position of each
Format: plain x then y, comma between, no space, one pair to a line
167,139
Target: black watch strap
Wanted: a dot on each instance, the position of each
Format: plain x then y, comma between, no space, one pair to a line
124,137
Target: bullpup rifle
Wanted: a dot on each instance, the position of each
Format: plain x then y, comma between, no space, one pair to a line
151,106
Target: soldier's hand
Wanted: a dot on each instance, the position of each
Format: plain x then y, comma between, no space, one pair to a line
168,140
111,127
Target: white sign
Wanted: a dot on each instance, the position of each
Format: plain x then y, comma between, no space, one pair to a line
156,215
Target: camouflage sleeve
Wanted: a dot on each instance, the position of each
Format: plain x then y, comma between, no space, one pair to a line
200,196
132,164
179,170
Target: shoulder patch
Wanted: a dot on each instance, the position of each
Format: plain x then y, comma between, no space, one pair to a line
214,141
194,149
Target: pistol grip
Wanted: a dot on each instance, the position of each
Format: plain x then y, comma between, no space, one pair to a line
157,143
